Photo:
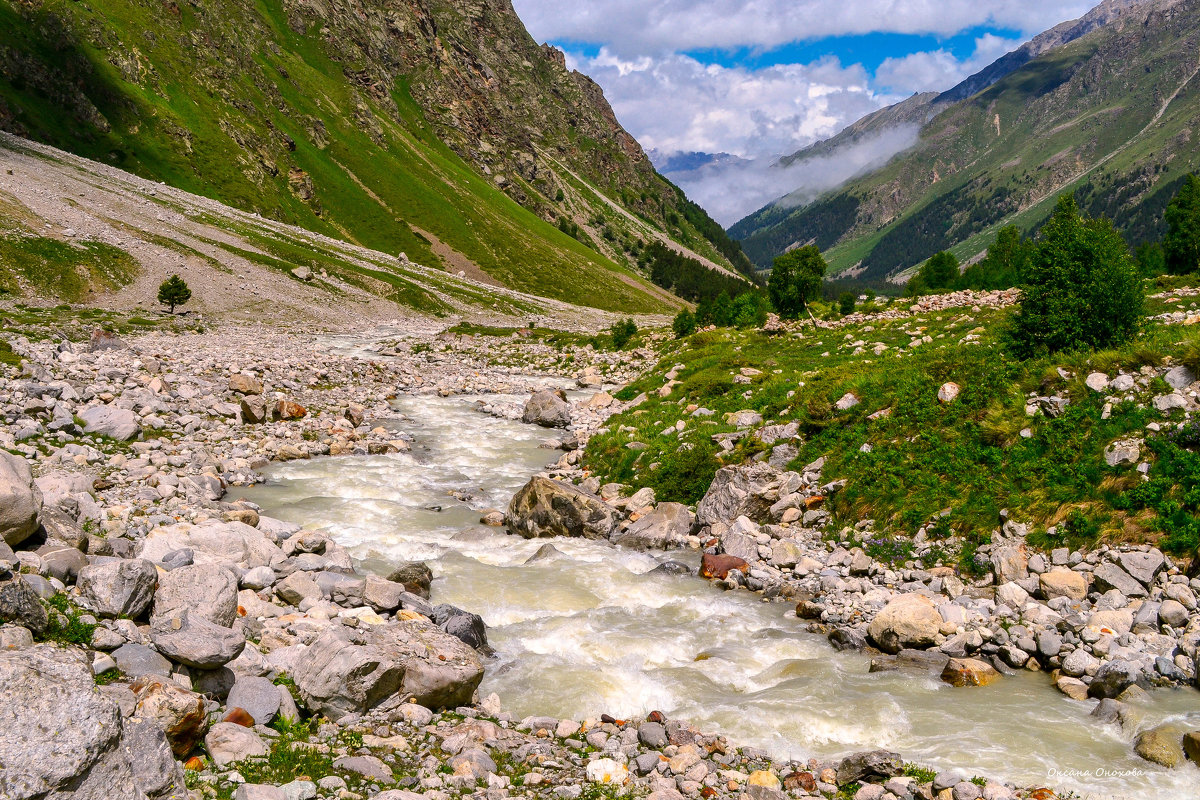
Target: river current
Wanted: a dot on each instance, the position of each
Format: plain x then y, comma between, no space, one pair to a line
589,632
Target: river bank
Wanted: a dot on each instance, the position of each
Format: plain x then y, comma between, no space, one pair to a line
111,504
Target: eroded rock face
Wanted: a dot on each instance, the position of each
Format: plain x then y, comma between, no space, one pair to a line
118,588
178,712
545,507
62,738
352,671
548,409
666,527
20,499
907,621
738,491
204,590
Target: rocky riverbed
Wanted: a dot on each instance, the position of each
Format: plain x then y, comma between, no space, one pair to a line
238,654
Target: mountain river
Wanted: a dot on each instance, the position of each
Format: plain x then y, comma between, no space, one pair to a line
590,633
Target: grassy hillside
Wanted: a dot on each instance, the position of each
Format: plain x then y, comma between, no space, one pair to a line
909,459
1110,116
405,129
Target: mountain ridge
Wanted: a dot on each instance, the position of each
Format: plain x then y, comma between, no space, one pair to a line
1086,111
415,126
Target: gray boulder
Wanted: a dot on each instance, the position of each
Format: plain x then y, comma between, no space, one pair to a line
1110,576
258,697
62,738
203,590
1144,567
545,507
155,770
745,490
228,743
20,499
1114,677
20,604
194,641
337,676
548,409
137,660
667,526
349,671
910,620
116,423
118,588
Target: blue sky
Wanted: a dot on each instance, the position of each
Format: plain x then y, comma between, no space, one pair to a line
763,78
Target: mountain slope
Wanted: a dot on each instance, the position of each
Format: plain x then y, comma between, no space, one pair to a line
1109,114
417,126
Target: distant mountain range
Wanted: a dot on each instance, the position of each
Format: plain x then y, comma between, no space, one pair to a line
1107,107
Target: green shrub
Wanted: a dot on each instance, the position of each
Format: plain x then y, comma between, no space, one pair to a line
685,475
65,623
846,303
1082,288
622,332
684,324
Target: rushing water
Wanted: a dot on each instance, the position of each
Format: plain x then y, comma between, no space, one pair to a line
589,632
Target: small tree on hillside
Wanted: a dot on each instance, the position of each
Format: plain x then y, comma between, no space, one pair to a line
684,324
795,279
1082,288
846,302
174,292
1181,245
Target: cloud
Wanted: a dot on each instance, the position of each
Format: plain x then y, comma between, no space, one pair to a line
673,103
937,70
729,189
637,27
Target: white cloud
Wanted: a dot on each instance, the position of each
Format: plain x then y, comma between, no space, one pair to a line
674,103
638,27
937,70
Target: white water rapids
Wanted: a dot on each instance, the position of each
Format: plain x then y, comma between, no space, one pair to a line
590,633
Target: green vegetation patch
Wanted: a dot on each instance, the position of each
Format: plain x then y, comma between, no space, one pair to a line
65,270
908,458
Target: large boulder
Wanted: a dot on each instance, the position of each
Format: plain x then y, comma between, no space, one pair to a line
910,620
1062,582
969,672
744,490
204,590
213,542
190,639
1110,576
548,409
63,739
545,507
116,423
228,743
349,671
665,527
341,674
118,588
20,499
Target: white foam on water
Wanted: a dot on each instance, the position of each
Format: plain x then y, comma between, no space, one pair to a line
588,632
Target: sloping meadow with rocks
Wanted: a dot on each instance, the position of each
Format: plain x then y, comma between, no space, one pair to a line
163,639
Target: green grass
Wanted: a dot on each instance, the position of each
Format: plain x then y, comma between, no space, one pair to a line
65,623
925,458
66,270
